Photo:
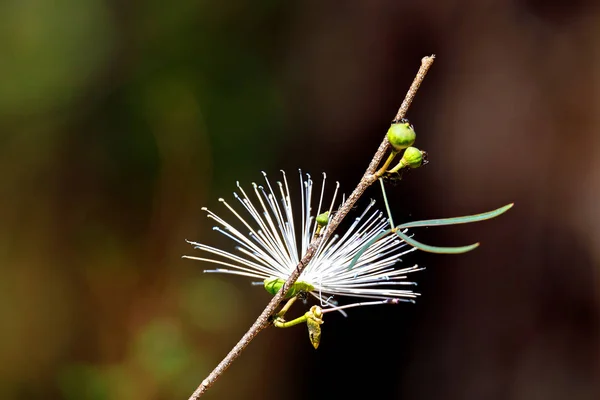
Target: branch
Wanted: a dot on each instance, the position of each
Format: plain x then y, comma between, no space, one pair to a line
367,180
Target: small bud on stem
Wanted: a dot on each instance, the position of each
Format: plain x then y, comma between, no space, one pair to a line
412,158
401,135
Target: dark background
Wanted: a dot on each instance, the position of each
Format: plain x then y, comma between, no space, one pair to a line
120,120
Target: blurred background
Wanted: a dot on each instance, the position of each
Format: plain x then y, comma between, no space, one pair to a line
120,120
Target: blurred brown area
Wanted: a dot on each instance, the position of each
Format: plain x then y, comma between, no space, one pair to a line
120,120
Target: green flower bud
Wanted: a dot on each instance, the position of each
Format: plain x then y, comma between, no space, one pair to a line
323,219
412,157
273,285
401,134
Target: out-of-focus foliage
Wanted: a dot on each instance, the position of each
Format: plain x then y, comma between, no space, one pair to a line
47,55
120,120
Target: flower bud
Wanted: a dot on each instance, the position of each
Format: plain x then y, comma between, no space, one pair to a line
323,219
401,134
412,157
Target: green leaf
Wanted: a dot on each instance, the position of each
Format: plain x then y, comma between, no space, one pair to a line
435,249
457,220
433,222
366,246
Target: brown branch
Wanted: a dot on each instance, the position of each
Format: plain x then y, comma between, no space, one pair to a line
367,180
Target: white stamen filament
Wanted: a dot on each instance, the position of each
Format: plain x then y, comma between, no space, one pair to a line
272,248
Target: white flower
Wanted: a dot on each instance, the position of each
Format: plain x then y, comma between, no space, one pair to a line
272,248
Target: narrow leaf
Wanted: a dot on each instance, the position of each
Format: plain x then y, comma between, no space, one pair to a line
457,220
433,222
366,246
435,249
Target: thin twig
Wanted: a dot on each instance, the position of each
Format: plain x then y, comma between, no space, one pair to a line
367,180
412,91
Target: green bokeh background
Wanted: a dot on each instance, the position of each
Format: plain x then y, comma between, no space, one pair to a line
120,120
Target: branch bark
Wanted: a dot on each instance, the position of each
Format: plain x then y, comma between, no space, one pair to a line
367,180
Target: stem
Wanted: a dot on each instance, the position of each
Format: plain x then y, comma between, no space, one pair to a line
387,163
426,63
282,324
285,308
397,167
367,180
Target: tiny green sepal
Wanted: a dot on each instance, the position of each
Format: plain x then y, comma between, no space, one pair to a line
323,219
274,285
401,135
314,319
